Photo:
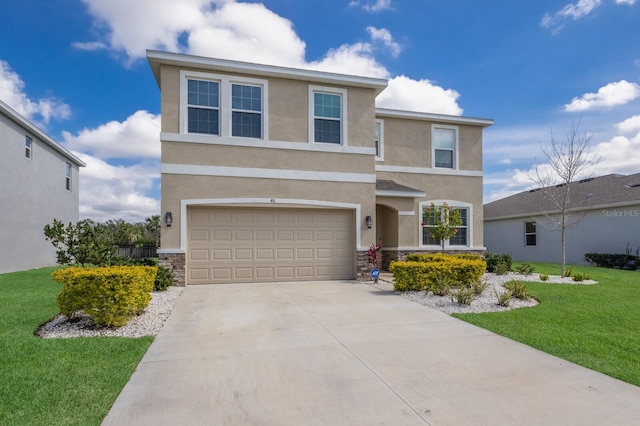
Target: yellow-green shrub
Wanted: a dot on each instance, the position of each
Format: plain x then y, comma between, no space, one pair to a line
111,295
418,275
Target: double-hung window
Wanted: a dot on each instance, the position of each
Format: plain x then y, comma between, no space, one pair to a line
67,180
28,144
327,106
203,105
445,142
462,237
224,105
379,139
529,233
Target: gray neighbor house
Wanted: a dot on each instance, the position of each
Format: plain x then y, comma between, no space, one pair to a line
39,181
605,219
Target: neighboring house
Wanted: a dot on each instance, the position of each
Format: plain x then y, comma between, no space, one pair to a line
38,182
605,218
280,174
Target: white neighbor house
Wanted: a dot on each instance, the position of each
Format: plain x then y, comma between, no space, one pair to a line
606,213
39,181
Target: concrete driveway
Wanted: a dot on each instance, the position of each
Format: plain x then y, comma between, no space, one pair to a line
341,353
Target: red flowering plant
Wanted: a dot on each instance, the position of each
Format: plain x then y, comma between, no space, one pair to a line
374,257
443,222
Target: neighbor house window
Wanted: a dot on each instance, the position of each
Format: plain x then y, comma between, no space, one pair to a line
246,107
445,141
68,177
223,105
530,233
203,100
27,146
327,124
379,139
461,238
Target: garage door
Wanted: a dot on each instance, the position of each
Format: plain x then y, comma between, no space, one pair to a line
269,244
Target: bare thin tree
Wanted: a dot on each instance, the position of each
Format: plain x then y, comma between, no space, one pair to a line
567,161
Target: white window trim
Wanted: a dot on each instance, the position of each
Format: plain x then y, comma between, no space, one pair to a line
456,152
28,148
380,157
343,112
224,107
68,178
526,234
452,204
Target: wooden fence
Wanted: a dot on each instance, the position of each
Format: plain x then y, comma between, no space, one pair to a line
137,252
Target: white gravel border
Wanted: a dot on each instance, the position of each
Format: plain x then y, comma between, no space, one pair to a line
487,301
147,324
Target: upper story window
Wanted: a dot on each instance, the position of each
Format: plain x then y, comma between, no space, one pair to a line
445,146
379,139
28,143
67,180
203,100
223,105
530,233
328,107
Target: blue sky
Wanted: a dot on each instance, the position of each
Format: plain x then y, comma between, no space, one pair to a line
77,68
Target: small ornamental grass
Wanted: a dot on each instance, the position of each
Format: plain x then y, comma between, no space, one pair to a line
544,277
504,298
525,268
518,289
462,295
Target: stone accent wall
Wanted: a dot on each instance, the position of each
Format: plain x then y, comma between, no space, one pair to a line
362,267
176,262
389,256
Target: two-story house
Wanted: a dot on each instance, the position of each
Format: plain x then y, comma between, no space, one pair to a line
278,174
39,181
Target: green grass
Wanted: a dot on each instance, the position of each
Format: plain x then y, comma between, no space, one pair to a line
596,326
55,381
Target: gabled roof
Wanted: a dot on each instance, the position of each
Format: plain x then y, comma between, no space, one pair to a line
157,58
604,191
33,129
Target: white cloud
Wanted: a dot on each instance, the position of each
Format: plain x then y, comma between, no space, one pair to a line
89,46
42,110
629,125
612,94
378,6
117,192
418,95
384,36
620,154
137,136
629,2
351,59
572,10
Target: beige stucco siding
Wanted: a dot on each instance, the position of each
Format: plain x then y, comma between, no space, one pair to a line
240,156
288,108
407,143
181,187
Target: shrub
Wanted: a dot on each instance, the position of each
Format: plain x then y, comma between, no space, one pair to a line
418,275
579,276
618,261
111,295
164,279
504,298
544,277
518,289
525,268
478,286
501,268
440,284
567,272
463,295
493,259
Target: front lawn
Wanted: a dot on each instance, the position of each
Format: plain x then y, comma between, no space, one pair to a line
55,381
597,326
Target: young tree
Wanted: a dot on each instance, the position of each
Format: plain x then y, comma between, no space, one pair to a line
442,222
152,225
568,161
86,242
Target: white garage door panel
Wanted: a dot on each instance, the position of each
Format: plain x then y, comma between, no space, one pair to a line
254,244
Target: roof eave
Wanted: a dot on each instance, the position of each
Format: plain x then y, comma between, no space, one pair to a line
456,119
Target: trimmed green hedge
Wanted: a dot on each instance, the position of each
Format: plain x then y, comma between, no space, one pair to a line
420,270
110,295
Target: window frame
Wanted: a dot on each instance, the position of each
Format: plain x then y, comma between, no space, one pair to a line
342,93
456,148
380,148
28,146
533,234
447,245
68,176
225,105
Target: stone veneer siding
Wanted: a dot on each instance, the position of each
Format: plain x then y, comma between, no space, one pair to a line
176,262
389,256
362,267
